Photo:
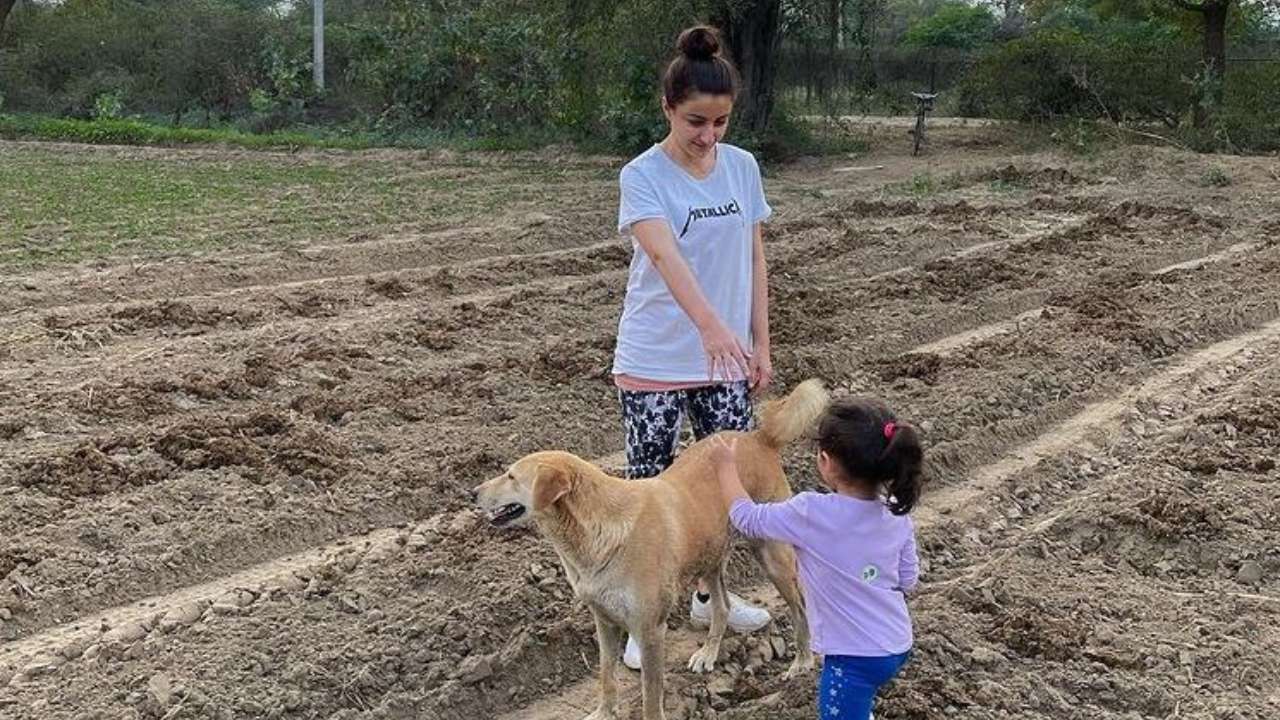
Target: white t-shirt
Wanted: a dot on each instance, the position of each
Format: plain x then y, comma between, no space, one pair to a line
712,220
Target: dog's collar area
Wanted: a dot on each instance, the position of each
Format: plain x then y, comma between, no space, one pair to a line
505,514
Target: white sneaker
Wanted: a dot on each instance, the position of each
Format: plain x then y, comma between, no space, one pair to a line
743,616
631,655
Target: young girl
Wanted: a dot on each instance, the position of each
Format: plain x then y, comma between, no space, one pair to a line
693,339
855,547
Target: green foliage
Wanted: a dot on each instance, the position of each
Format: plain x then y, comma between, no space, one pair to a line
500,72
922,184
1077,136
515,73
956,25
1129,72
109,131
509,71
1128,68
62,57
1248,120
1215,177
1002,186
1028,78
479,66
286,87
108,106
788,139
925,184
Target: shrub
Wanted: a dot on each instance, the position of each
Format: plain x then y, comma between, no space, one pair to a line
1215,177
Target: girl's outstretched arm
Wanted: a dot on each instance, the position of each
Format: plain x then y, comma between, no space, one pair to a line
725,459
909,564
783,521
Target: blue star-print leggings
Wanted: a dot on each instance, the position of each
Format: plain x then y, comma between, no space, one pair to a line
848,685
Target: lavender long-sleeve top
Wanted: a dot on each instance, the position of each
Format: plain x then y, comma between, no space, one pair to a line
857,560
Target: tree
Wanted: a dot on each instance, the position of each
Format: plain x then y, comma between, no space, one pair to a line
831,34
1012,18
956,25
835,25
5,7
863,31
753,32
1214,15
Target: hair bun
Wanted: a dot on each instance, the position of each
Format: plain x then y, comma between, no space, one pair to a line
699,43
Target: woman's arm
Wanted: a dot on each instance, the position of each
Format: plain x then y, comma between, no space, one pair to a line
761,360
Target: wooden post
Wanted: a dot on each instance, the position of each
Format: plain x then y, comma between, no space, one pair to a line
317,59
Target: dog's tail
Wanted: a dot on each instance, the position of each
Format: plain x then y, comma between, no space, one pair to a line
784,420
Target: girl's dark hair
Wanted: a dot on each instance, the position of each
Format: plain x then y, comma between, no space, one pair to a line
698,67
870,444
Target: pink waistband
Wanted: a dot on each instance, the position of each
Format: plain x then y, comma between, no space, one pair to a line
635,384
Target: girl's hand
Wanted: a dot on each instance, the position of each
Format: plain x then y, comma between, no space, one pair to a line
725,353
724,451
761,370
725,461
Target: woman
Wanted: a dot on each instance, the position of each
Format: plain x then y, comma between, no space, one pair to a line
694,334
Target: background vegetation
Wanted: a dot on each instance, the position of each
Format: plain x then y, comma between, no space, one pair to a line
515,73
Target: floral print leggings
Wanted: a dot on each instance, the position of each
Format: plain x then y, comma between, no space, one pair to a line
652,421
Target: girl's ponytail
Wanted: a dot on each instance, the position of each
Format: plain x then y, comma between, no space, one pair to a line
905,455
873,447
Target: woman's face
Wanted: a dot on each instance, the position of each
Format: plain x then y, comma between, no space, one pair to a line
699,122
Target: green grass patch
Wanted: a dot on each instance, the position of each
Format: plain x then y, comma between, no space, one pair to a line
1215,176
71,204
140,132
1003,186
789,138
926,184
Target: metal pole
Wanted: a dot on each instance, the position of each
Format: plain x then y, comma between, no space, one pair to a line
317,60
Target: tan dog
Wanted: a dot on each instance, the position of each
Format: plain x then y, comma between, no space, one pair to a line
631,548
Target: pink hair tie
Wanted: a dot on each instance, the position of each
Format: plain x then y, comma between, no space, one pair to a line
889,429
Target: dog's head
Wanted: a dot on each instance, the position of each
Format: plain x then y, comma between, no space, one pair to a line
533,484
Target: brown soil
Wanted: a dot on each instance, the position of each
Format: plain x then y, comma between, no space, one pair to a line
237,487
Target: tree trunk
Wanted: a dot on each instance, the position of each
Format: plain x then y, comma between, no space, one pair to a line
1215,48
753,33
828,72
1214,14
5,7
1012,22
864,34
836,19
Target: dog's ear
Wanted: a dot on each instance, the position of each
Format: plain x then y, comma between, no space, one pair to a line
550,483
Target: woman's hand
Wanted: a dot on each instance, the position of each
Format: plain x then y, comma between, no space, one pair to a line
761,367
725,353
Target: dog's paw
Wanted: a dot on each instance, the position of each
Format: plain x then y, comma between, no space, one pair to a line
802,665
704,660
